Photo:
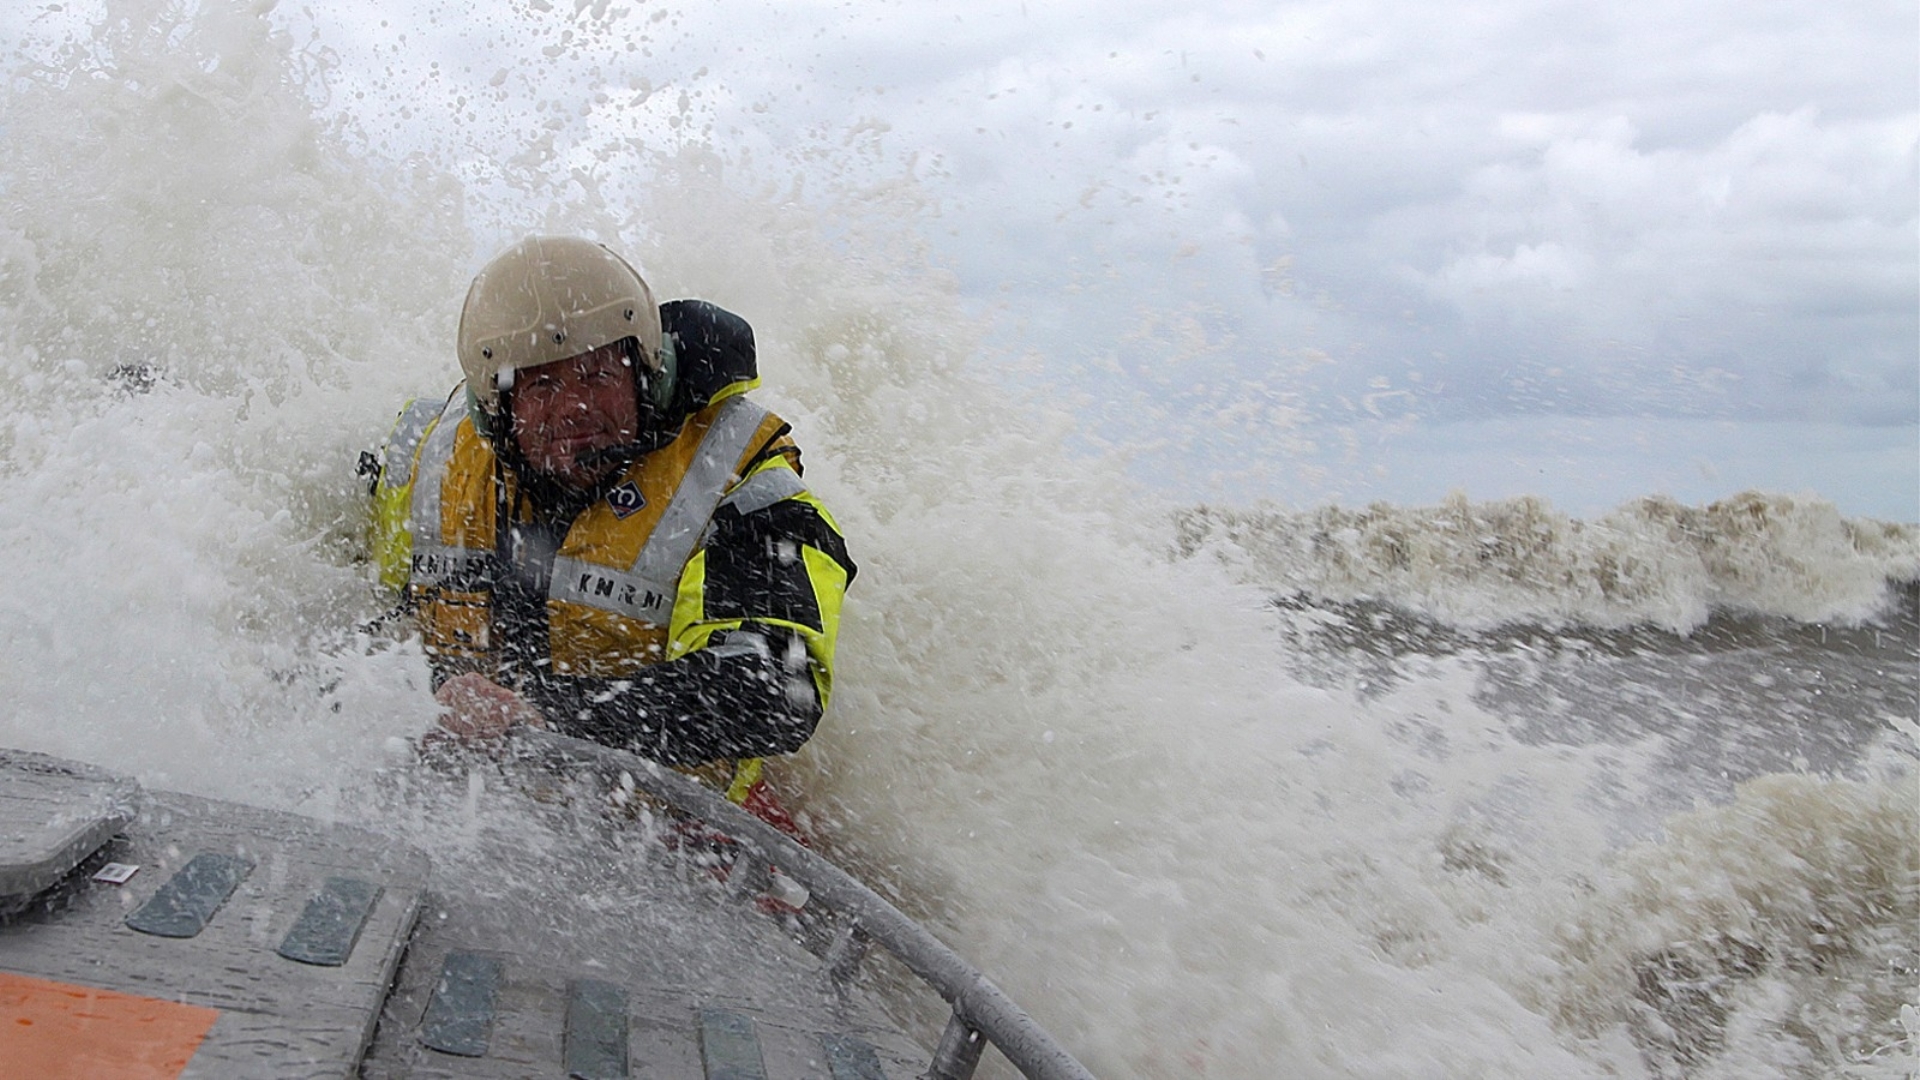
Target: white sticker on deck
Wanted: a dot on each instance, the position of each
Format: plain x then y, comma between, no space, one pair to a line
116,873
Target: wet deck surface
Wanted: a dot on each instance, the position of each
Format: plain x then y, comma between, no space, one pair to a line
520,938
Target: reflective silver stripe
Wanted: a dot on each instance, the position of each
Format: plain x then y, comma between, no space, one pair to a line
618,591
763,489
707,479
397,458
741,643
435,561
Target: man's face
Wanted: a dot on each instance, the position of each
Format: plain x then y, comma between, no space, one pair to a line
573,407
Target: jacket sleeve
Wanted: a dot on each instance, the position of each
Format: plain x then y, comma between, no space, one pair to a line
729,700
750,661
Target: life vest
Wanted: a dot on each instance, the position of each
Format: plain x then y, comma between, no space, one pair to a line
616,579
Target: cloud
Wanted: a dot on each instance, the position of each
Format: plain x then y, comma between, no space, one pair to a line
1788,238
1567,209
1690,208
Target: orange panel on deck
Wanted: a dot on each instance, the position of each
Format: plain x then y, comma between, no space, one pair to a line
59,1031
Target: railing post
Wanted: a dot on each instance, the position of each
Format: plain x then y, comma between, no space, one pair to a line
959,1052
844,956
748,877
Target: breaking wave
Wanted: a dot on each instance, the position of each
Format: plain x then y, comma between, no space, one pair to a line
1755,931
1650,562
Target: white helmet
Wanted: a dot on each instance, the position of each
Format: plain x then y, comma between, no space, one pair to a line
548,298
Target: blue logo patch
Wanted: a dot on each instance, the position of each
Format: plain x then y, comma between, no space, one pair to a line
626,500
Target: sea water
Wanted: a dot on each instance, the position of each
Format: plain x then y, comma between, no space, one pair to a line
1468,790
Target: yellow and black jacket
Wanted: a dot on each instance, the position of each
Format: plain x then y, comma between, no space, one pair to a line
685,608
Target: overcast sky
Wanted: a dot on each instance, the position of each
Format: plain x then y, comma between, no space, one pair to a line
1379,249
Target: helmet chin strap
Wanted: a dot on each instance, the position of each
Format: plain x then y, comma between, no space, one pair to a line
622,455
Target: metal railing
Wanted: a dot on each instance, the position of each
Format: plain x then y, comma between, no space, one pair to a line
982,1012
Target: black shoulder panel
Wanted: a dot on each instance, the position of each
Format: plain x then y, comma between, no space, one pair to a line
714,345
754,570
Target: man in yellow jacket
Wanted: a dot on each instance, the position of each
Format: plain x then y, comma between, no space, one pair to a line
600,533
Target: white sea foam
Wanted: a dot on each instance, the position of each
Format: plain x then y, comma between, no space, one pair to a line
196,332
1790,911
1652,561
1073,753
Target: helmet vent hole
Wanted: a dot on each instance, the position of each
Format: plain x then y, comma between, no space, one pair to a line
559,338
629,314
486,354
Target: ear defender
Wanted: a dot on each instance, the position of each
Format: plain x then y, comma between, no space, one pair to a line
660,385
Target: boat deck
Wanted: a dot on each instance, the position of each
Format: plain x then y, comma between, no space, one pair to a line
297,948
